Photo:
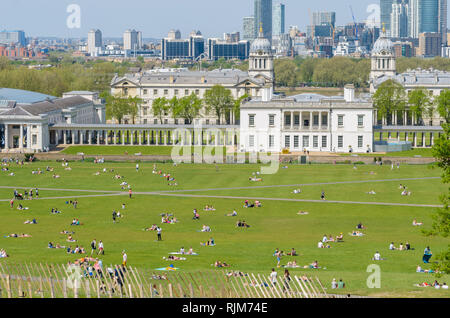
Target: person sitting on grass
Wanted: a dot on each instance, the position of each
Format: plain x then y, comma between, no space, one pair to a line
340,238
3,254
152,228
191,251
415,223
320,244
297,191
221,264
360,226
302,213
210,242
66,232
377,257
293,252
292,264
392,247
71,239
427,255
234,213
30,222
406,193
206,228
330,238
314,264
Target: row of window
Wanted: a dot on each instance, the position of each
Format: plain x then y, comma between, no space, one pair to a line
306,122
305,141
360,121
176,92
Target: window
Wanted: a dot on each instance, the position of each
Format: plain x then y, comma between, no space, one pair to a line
324,120
145,121
271,141
315,141
155,92
251,141
145,92
305,141
34,139
316,120
251,120
197,92
324,141
340,141
176,121
341,120
360,120
155,121
125,91
186,92
34,127
166,92
360,141
287,141
207,121
176,92
296,120
144,111
271,120
296,144
166,121
287,120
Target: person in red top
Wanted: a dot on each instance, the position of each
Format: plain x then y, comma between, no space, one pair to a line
130,193
11,203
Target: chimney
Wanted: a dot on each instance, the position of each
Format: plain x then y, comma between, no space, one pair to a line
349,93
171,79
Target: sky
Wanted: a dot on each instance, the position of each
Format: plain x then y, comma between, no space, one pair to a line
155,18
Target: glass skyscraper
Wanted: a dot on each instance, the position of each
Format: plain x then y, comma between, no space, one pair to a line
429,11
385,12
278,26
263,17
249,28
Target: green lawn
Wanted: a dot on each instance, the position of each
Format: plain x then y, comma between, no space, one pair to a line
422,152
129,150
275,225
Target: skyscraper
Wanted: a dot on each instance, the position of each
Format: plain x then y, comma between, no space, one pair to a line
13,37
278,19
130,40
94,41
320,18
385,12
443,21
248,28
427,16
399,20
263,17
429,11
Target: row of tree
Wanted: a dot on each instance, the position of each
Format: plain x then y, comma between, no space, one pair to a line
217,100
391,97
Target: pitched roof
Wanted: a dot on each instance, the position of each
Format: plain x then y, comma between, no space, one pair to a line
17,111
57,104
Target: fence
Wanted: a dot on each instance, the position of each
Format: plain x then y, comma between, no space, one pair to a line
64,281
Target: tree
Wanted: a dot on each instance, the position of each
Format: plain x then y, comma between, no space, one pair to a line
174,107
116,107
389,97
443,105
237,106
441,218
219,100
419,102
160,107
189,107
132,107
285,73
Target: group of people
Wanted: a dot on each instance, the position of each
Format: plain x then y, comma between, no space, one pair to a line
401,247
256,204
76,222
220,264
242,224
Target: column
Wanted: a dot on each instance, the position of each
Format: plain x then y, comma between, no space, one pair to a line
432,139
292,120
320,122
21,137
157,138
140,137
165,138
310,120
6,137
115,137
389,135
415,139
65,136
122,134
398,135
191,137
132,137
148,137
98,136
423,140
73,137
107,137
406,136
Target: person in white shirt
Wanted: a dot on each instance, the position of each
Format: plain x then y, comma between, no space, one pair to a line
334,283
124,258
273,277
137,167
392,247
377,256
182,250
324,239
444,286
320,244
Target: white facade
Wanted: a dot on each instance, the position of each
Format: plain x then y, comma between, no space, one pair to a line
307,122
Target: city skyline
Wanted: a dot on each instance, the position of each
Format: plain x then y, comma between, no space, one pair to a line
213,18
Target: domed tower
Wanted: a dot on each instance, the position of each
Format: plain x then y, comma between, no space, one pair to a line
383,58
261,58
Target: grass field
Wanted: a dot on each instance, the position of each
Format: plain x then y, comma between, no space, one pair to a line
275,225
422,152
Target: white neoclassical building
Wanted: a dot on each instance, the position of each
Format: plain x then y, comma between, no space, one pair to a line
26,117
307,122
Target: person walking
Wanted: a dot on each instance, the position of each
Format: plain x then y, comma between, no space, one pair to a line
37,193
114,216
93,246
287,280
273,277
130,193
100,248
137,167
322,196
124,258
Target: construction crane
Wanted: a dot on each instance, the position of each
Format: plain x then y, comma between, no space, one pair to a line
354,21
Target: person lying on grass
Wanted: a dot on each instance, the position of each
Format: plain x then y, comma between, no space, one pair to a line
371,192
56,176
234,213
254,179
210,242
302,213
30,222
55,211
421,270
221,264
152,228
236,274
71,239
415,223
191,251
356,233
292,264
209,208
242,224
51,245
406,193
77,250
174,258
206,228
14,235
297,191
20,207
66,232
